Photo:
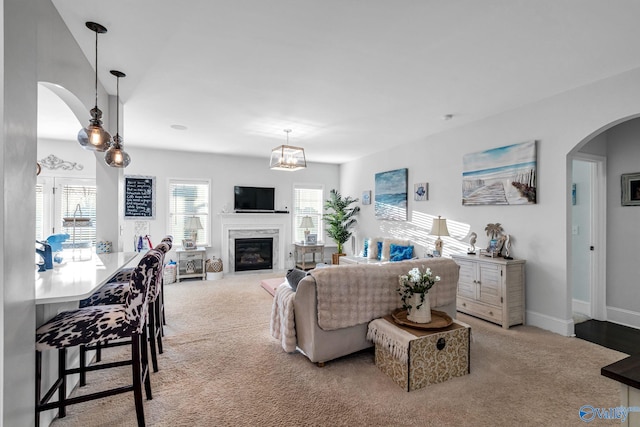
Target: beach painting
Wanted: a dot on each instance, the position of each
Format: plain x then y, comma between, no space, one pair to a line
391,195
500,176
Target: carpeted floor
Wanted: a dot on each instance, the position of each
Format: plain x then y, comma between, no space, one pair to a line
222,368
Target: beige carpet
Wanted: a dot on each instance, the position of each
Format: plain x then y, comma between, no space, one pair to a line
222,368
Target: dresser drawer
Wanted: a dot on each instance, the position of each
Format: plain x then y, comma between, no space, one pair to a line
487,312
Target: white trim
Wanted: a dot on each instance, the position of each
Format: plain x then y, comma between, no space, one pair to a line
553,324
580,306
623,317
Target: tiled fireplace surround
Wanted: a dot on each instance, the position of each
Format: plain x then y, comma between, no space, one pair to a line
248,225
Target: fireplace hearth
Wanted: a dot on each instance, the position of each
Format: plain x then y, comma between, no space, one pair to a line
253,254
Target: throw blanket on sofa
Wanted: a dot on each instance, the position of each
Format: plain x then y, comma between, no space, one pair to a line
282,325
350,295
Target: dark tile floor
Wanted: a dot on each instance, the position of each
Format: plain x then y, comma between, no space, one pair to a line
611,335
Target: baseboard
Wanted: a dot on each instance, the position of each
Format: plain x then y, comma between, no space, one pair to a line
623,317
553,324
579,306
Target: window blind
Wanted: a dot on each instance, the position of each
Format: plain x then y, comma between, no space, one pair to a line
308,200
188,198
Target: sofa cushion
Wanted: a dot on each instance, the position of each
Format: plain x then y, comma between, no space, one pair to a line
398,252
386,247
294,276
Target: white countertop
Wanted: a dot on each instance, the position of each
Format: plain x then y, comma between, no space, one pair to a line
77,280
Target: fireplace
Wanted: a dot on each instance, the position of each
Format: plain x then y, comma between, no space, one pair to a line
253,254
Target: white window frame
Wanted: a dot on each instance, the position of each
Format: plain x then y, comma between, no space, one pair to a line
204,236
296,231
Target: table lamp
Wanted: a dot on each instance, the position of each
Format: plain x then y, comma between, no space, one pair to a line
306,223
439,228
193,225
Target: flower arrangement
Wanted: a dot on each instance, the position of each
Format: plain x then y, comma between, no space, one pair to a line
416,282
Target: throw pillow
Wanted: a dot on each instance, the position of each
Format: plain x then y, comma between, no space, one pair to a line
372,245
398,252
386,248
365,250
379,244
294,276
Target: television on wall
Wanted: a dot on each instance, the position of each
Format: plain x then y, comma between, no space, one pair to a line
253,199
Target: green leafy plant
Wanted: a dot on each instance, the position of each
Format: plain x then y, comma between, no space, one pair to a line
416,282
340,217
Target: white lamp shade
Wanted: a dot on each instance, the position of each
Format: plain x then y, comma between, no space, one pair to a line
439,227
193,223
287,158
306,222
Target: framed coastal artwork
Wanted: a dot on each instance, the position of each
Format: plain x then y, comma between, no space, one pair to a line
421,191
366,197
391,195
630,189
500,176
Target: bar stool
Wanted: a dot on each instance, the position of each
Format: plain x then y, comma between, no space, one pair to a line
85,326
116,292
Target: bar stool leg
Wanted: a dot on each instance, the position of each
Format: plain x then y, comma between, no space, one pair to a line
152,334
62,374
83,365
137,377
38,384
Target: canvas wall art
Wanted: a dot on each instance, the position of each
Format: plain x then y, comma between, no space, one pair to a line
500,176
391,195
421,191
366,197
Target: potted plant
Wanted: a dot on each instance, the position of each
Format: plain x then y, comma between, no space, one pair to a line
414,291
340,218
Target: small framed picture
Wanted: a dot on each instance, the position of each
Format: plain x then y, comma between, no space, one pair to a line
630,183
366,197
421,191
188,244
311,239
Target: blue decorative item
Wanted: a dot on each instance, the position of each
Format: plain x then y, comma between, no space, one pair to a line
56,240
365,251
399,253
46,255
379,250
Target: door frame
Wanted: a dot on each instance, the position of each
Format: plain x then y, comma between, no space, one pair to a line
598,231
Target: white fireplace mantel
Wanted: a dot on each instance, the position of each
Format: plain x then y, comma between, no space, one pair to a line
232,223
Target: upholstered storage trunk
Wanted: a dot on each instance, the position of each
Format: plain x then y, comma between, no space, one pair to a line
432,357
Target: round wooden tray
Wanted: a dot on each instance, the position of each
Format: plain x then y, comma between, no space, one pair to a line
439,320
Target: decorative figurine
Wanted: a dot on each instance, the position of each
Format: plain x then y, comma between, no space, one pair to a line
472,242
507,247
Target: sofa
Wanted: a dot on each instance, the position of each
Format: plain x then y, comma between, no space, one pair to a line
334,305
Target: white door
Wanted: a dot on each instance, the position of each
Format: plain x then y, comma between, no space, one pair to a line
588,239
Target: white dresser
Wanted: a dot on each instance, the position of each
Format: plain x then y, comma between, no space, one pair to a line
491,289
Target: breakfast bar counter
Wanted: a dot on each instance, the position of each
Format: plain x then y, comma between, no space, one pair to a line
76,280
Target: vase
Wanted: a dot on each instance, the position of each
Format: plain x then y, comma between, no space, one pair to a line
422,314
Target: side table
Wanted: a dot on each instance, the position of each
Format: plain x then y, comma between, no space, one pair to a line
191,263
415,358
300,250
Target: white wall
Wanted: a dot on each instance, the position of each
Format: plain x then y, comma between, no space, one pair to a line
623,230
540,232
224,172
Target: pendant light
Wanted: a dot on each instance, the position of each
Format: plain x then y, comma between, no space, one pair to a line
115,156
94,137
287,157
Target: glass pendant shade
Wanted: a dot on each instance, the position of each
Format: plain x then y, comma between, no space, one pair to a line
115,156
94,137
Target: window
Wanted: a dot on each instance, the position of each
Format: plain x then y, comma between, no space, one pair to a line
58,198
308,200
188,198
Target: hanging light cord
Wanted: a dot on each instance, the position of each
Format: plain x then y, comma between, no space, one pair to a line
118,110
96,81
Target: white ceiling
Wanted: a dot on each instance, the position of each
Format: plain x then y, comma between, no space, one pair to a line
349,77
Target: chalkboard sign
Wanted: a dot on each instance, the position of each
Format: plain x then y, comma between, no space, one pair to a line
139,197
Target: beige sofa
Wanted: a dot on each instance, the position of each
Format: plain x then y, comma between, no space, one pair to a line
333,305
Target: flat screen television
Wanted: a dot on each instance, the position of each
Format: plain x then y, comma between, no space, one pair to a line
247,199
